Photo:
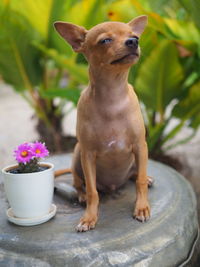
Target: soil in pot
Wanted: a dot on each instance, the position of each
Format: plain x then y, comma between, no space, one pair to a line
16,170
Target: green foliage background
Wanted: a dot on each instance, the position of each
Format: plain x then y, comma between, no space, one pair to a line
41,66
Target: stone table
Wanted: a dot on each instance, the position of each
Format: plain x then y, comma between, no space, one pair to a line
167,239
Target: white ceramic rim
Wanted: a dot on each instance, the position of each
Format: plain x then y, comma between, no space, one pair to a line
5,170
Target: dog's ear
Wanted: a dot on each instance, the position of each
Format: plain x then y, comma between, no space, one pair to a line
138,24
73,34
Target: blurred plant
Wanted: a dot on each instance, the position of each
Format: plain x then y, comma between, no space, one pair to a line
42,68
167,78
33,60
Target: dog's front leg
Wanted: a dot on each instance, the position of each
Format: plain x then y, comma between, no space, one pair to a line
142,208
89,219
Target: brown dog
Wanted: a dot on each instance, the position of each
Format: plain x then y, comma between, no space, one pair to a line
110,129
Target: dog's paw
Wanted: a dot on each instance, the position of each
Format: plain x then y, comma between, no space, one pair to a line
142,211
86,223
82,198
150,181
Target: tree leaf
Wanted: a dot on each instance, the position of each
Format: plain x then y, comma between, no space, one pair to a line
155,135
184,30
19,60
122,10
189,107
87,13
71,94
43,15
193,8
159,78
78,71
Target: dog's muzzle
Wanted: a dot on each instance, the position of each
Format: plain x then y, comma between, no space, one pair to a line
132,42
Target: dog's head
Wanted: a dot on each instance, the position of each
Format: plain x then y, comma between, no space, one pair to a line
108,44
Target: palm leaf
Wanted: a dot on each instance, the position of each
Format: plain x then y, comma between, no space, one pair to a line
122,10
183,30
71,94
19,60
193,8
77,71
155,135
159,78
87,13
43,15
189,107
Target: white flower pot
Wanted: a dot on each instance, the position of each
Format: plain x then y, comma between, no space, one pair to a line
29,194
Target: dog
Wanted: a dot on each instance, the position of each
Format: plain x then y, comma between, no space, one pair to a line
110,129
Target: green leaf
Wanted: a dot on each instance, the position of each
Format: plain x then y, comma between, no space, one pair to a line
80,59
58,11
184,31
122,10
87,13
71,94
77,71
155,135
40,14
158,5
148,41
19,60
43,14
193,8
189,107
95,13
157,23
173,132
159,78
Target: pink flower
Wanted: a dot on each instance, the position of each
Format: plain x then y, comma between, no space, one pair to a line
23,153
39,150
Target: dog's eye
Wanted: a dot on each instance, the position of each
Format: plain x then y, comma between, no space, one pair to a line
105,41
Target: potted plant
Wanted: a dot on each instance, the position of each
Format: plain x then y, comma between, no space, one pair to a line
29,186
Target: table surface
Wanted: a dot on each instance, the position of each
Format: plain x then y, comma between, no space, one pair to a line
118,240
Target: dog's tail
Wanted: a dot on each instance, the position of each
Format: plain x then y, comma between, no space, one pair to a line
61,172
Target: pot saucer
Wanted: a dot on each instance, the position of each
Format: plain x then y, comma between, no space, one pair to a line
31,221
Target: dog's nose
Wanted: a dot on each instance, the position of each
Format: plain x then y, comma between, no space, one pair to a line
132,42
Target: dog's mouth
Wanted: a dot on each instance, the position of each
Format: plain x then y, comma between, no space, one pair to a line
126,59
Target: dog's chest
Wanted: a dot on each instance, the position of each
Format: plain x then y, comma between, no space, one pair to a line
113,139
113,146
107,128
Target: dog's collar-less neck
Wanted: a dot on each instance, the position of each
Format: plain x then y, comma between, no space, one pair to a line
104,82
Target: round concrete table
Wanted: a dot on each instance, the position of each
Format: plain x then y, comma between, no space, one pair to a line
167,239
